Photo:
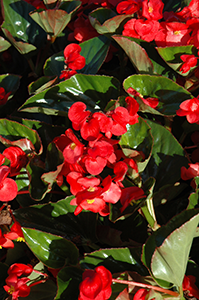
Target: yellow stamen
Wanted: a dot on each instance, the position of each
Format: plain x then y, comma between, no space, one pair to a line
177,32
150,9
0,247
72,146
11,290
20,239
90,201
91,189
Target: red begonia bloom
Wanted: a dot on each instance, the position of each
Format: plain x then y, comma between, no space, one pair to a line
90,129
191,172
17,157
15,233
189,286
151,101
36,3
190,61
72,56
95,165
128,7
17,287
96,205
152,9
129,194
66,74
3,96
96,284
141,29
112,192
190,109
5,242
78,114
83,30
74,150
8,187
20,269
140,294
172,34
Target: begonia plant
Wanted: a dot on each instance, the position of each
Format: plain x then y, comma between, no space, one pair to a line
99,149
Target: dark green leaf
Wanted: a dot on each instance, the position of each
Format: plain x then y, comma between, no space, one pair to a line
4,45
68,281
94,90
169,93
52,250
167,250
137,55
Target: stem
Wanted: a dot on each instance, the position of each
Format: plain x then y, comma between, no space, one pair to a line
148,286
51,192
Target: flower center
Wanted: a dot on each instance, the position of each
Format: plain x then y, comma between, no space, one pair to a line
72,146
177,32
11,290
150,9
90,201
91,189
20,239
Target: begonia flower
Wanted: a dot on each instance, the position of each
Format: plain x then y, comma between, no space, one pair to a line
152,9
17,157
8,187
189,286
172,34
5,242
190,109
129,194
96,284
20,269
15,233
128,7
190,61
3,96
140,294
141,29
17,287
78,114
191,172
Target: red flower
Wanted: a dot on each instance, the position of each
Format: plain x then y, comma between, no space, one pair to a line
190,109
15,233
128,7
72,56
189,286
129,194
73,60
140,294
3,96
17,157
190,61
152,9
8,187
141,29
20,269
17,287
5,242
96,284
191,172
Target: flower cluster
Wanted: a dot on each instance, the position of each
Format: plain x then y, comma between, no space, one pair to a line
83,165
73,61
16,286
175,28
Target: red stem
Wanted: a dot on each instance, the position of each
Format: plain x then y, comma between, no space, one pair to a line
148,286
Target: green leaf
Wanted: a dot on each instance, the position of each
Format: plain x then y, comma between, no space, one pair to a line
10,83
43,291
19,24
138,137
4,45
172,56
137,55
58,218
94,90
68,281
41,84
167,157
169,93
166,252
115,260
13,133
105,20
52,250
53,21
